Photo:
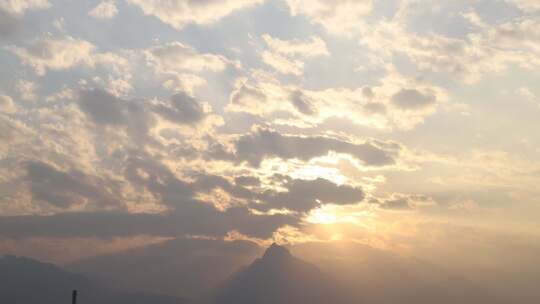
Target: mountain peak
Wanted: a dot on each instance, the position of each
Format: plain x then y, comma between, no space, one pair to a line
279,277
276,251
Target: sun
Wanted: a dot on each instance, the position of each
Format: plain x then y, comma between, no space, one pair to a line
333,214
319,216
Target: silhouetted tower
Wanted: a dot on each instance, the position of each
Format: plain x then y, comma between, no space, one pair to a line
74,297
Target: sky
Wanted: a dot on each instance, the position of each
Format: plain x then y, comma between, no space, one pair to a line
407,126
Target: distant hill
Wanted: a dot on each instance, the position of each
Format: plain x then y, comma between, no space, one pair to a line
27,281
279,277
181,267
382,277
357,275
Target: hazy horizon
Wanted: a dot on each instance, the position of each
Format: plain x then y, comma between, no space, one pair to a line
395,143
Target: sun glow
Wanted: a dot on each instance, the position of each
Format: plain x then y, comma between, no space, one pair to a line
320,167
332,214
318,217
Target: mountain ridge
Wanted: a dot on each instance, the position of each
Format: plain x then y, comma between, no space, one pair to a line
28,281
279,277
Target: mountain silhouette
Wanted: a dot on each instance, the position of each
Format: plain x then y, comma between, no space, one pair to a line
183,267
27,281
279,277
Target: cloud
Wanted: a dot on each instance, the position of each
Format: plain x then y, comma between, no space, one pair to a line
412,99
249,98
120,136
429,52
283,64
400,201
191,220
526,93
26,89
175,56
185,215
302,103
255,147
340,16
526,5
305,195
104,108
300,195
397,102
205,183
102,204
465,205
247,180
396,204
58,53
171,125
179,13
148,121
487,48
6,104
107,110
64,189
10,25
183,82
19,7
173,65
104,10
288,56
54,53
311,47
182,108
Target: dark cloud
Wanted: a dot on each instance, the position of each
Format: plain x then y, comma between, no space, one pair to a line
300,195
144,172
401,203
138,116
218,151
247,180
248,96
302,103
103,107
412,99
186,214
255,147
106,109
367,92
63,189
405,201
181,108
304,195
196,219
9,25
205,183
173,192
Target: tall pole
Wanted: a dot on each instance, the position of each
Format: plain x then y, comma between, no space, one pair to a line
74,297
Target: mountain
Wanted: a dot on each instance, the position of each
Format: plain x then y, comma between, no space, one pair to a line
279,277
27,281
182,267
382,277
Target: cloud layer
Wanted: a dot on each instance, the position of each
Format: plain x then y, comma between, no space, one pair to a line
290,121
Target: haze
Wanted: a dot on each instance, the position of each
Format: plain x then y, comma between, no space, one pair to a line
163,145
